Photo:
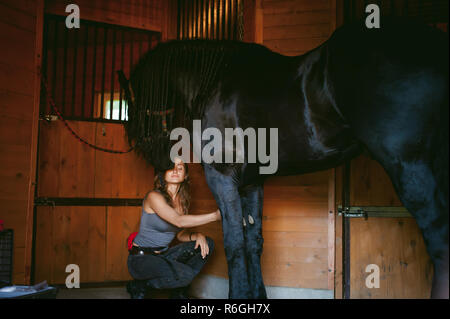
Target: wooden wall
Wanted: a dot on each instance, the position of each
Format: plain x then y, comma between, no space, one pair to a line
394,244
20,36
295,230
295,212
293,27
296,222
92,237
21,23
141,14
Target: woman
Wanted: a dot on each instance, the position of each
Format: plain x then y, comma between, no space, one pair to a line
165,214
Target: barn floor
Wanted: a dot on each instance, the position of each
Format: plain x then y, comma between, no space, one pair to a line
103,293
93,293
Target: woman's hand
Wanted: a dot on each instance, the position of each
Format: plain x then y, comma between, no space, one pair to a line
200,240
218,216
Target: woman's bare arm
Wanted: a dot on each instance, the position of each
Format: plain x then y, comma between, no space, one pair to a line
157,202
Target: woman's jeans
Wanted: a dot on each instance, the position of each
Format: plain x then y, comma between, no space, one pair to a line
173,268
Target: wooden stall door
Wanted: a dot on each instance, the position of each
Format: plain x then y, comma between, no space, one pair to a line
394,245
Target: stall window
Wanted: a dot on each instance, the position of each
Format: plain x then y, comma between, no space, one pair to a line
80,67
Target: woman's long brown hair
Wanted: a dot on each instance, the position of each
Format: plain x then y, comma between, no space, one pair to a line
184,196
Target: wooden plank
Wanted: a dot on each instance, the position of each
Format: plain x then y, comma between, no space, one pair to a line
104,161
134,14
121,221
85,160
12,213
44,251
333,16
276,273
49,155
18,17
297,18
61,240
16,79
395,245
371,186
289,6
15,131
18,266
331,228
397,248
295,44
18,41
25,7
68,162
78,236
297,31
297,275
13,170
338,237
96,252
259,22
8,105
287,223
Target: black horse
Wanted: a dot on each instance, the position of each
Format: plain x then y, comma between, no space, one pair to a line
380,90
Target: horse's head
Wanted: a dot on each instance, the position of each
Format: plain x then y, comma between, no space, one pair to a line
168,88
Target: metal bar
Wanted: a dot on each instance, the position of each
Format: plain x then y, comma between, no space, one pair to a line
55,54
63,104
217,19
194,18
224,21
179,20
83,89
202,19
94,69
227,19
43,99
105,39
208,36
236,19
199,19
74,78
131,60
122,52
346,232
87,119
186,20
189,20
375,211
113,65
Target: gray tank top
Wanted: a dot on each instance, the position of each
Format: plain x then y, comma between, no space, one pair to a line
154,231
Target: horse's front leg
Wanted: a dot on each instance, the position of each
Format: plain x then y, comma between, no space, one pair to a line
252,206
227,198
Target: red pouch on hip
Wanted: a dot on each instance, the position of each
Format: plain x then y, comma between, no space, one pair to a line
130,240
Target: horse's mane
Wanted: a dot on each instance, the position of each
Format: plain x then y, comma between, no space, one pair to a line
163,77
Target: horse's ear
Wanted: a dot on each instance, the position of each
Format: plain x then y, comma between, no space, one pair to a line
126,86
122,79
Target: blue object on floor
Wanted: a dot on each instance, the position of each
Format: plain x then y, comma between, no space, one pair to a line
27,292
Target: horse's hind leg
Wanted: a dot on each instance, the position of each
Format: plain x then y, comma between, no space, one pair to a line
419,191
252,206
420,179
